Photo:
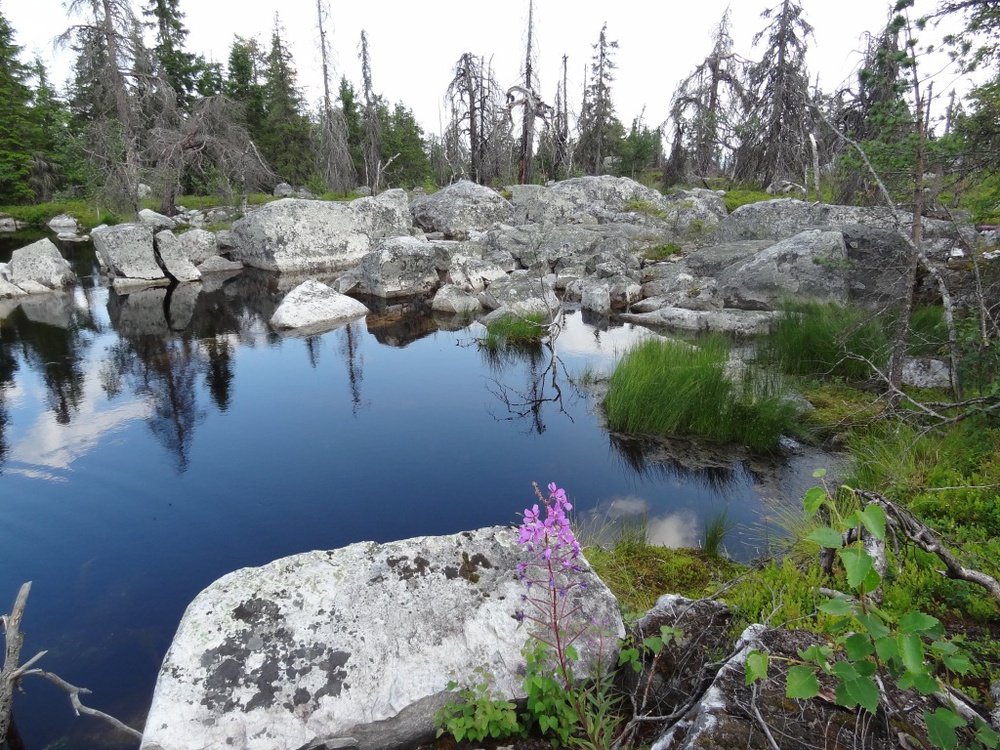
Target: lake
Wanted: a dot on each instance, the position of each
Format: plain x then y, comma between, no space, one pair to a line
152,442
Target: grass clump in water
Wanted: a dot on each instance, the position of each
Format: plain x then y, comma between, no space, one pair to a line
676,388
514,330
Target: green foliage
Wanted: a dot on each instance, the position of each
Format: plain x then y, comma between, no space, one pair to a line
662,252
514,330
478,714
737,197
676,388
550,705
828,340
20,133
868,644
717,528
639,150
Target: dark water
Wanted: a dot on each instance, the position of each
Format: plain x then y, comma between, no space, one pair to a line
152,442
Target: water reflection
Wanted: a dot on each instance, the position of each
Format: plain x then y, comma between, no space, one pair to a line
608,521
666,459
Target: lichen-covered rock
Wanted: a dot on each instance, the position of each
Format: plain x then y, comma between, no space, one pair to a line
126,251
175,262
811,265
455,301
460,208
313,305
218,264
63,223
40,263
198,245
400,267
473,274
155,221
301,235
357,643
522,293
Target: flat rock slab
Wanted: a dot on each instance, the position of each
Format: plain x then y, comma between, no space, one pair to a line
359,643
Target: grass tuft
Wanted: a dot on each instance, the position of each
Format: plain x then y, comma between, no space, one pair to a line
676,388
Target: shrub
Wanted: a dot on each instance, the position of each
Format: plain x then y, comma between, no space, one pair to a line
514,330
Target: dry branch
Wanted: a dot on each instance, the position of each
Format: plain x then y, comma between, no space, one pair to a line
13,671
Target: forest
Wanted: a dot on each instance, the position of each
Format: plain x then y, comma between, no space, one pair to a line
142,108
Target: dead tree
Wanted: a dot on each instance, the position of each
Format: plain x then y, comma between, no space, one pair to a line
334,151
13,672
478,133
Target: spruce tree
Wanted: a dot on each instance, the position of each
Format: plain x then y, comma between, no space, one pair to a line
285,138
19,133
600,129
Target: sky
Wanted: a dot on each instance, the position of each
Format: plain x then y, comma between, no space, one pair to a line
413,46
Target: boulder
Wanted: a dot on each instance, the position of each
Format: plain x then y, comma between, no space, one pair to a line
355,645
218,264
313,305
473,274
301,235
283,190
811,265
455,301
522,293
9,290
926,372
126,251
460,208
156,221
63,223
172,257
198,245
8,223
784,217
400,267
736,322
40,263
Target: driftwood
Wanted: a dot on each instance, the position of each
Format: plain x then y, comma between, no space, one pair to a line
13,671
917,533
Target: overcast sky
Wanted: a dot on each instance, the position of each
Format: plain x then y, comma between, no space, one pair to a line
414,44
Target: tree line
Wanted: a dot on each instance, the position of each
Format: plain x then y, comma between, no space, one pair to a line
141,108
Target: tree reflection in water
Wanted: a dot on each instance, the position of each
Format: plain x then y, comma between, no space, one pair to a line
544,376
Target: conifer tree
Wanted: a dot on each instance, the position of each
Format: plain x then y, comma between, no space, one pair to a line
19,133
600,129
774,130
285,138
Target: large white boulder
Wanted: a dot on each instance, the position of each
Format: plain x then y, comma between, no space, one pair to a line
40,263
313,305
461,207
358,642
302,235
198,245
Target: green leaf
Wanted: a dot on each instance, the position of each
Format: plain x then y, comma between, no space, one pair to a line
814,498
958,663
941,726
911,650
857,564
874,625
839,607
922,682
819,473
858,692
653,643
987,736
887,649
919,623
755,666
801,682
872,580
824,536
873,517
858,647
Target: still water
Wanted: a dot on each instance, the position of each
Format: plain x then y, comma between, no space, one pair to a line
152,442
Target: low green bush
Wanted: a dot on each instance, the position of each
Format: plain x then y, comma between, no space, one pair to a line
514,330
